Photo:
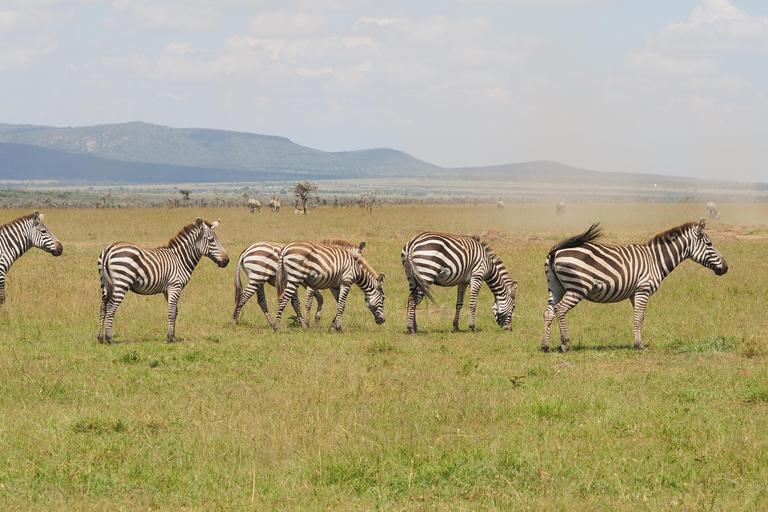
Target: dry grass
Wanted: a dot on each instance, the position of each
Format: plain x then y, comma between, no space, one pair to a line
237,417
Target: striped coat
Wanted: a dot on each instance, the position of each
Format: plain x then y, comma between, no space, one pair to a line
259,263
457,260
325,266
167,270
581,268
20,235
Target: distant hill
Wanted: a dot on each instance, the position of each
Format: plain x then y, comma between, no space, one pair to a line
146,153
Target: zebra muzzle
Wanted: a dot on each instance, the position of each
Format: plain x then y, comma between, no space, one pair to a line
57,249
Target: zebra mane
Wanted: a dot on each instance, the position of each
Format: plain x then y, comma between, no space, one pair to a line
496,260
366,266
178,240
338,241
672,233
20,220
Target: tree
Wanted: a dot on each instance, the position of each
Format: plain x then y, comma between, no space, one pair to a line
185,192
303,191
368,200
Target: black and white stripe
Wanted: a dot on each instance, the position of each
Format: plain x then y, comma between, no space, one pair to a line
457,260
580,268
20,235
321,266
167,270
259,262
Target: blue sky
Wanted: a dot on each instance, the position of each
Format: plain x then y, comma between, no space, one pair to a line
671,87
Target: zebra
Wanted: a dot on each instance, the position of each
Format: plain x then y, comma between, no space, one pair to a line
322,266
20,235
254,204
712,211
500,204
123,266
580,268
274,204
457,260
560,208
259,262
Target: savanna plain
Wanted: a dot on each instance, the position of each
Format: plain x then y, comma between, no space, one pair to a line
237,417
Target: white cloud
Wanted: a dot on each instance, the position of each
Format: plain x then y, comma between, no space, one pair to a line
150,16
286,24
652,64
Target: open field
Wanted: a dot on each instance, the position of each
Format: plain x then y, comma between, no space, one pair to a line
237,417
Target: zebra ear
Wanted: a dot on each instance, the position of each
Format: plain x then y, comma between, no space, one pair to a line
361,247
381,278
37,216
213,226
199,222
513,286
702,225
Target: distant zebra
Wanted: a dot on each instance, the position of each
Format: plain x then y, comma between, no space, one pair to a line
561,207
500,204
259,262
20,235
457,260
323,266
580,268
712,211
274,204
254,204
167,269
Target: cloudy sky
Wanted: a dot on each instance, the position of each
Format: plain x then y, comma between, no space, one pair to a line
655,86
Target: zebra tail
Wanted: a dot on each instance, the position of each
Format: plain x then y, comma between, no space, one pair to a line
109,285
420,283
238,283
592,233
281,277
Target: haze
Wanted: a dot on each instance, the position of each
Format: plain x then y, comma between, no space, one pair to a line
677,88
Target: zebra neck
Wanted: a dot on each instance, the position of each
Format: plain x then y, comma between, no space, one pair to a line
496,278
14,241
668,256
187,252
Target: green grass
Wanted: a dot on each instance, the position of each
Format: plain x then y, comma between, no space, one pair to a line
237,417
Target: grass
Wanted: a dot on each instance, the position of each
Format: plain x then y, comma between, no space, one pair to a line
239,417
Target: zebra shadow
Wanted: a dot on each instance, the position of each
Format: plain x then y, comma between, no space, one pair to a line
601,347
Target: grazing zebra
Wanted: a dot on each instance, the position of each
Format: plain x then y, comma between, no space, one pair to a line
457,260
20,235
254,204
322,266
580,268
274,204
167,269
561,207
500,204
259,262
712,211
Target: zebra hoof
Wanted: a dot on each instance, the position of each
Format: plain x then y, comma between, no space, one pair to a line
563,348
640,347
545,349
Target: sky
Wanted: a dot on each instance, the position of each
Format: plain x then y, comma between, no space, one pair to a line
658,86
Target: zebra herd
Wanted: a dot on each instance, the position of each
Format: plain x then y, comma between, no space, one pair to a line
576,268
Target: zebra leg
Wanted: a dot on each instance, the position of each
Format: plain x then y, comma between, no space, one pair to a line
172,296
290,291
569,300
102,315
549,315
263,302
639,302
246,295
319,299
474,289
343,292
2,291
109,313
413,300
307,308
462,288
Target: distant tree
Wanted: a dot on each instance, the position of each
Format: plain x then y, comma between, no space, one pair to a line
368,200
303,191
185,193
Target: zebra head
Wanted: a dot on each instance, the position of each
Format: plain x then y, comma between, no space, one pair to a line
505,305
42,238
704,252
374,299
209,243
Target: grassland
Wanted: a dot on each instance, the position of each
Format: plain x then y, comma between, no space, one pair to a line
236,417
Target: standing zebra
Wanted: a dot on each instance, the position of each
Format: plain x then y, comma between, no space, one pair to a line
167,269
254,204
457,260
560,207
20,235
259,262
274,204
712,211
500,204
580,268
322,266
